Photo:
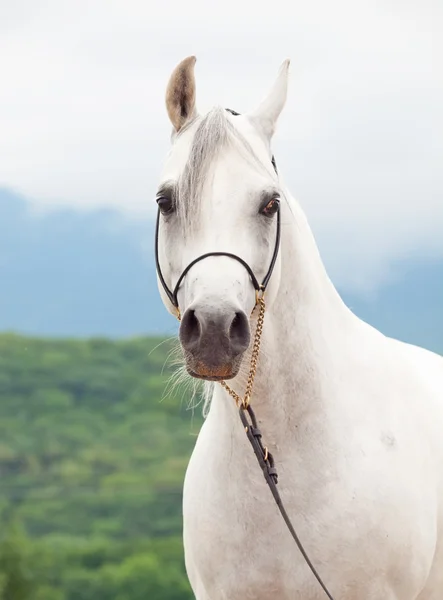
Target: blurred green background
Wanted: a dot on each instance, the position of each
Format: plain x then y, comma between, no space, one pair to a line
92,460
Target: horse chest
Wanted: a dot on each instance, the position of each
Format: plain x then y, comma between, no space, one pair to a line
237,545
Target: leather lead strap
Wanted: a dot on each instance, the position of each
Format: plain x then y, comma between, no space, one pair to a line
266,462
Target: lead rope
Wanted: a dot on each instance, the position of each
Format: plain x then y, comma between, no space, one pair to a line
253,433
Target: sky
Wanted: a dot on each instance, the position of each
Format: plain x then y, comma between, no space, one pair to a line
360,144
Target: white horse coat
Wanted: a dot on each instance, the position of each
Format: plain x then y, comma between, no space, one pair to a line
354,419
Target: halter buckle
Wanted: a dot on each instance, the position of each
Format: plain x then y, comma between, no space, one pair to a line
259,295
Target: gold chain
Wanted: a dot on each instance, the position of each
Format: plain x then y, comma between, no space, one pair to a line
254,359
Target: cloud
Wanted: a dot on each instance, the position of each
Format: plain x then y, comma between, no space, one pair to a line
360,144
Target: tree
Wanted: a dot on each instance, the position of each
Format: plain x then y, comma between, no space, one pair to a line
15,577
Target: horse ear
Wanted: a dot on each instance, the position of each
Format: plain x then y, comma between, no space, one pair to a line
265,117
180,93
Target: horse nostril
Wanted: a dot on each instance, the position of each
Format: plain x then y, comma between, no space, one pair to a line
213,338
190,329
239,332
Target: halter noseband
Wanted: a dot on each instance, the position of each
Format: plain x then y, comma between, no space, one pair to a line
259,287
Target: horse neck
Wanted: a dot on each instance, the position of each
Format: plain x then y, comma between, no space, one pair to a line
304,325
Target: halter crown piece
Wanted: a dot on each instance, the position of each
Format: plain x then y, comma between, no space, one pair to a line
247,415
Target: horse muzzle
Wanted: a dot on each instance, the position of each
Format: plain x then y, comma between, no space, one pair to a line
214,342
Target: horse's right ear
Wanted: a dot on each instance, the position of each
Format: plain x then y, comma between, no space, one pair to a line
180,93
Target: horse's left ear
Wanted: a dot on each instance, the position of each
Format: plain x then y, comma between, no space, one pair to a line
265,117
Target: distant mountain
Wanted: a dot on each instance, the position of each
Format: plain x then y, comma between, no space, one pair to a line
71,273
411,309
82,274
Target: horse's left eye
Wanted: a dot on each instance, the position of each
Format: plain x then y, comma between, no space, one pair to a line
271,207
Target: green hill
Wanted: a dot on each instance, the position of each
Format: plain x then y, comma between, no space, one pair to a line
92,461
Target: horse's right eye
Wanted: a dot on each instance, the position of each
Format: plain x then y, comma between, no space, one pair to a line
165,204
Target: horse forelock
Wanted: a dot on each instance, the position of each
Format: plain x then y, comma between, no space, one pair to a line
213,134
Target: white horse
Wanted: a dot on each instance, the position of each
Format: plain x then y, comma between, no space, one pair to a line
353,418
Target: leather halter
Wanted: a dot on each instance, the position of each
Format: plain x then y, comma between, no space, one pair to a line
259,287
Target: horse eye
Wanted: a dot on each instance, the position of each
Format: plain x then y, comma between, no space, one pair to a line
165,204
271,207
